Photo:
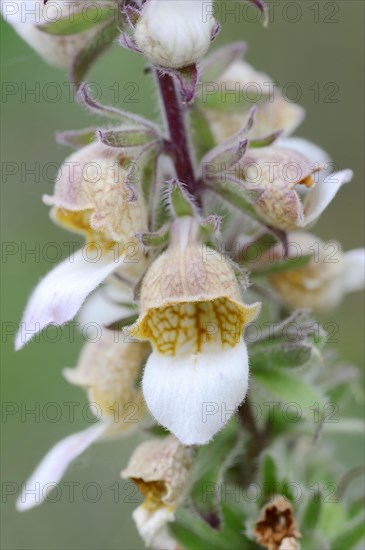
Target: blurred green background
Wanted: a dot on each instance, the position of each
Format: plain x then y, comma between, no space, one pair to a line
304,52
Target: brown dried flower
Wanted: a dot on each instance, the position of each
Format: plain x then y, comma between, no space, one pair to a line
276,525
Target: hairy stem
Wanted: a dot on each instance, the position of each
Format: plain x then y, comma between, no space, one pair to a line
178,145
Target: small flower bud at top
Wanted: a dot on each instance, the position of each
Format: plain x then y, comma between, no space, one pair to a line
174,33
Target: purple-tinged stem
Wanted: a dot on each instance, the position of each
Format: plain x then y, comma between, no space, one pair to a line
178,138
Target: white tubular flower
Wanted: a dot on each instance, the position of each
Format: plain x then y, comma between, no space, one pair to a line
24,16
175,33
273,113
192,313
108,370
322,283
160,468
293,182
92,198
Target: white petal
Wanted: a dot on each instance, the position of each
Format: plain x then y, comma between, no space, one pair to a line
320,196
194,395
310,150
55,463
59,296
354,276
152,526
100,308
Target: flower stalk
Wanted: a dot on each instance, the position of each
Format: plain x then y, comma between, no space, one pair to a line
175,115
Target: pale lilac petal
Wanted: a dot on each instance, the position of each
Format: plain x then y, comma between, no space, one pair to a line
59,296
51,469
320,196
354,275
194,396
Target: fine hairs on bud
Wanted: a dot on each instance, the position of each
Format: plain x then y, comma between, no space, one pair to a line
174,33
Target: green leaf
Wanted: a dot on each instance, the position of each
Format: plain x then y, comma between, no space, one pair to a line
269,472
156,431
283,355
266,140
333,519
351,535
181,203
194,534
233,102
119,325
76,138
312,512
210,465
78,23
281,267
121,117
235,194
187,79
289,388
202,135
92,50
225,157
252,251
128,137
154,239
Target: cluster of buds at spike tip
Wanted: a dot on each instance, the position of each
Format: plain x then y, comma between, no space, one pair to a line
58,30
161,470
192,313
322,283
227,92
93,197
108,369
291,181
276,528
175,33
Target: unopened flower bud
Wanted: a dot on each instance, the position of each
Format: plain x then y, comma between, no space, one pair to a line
248,86
160,468
108,370
175,33
92,196
291,181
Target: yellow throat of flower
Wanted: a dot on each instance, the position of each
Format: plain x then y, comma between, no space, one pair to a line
153,491
79,222
188,327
